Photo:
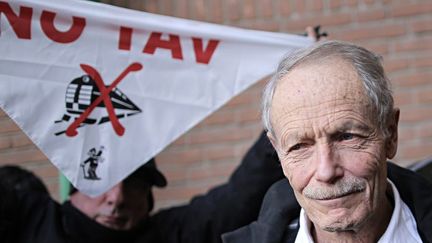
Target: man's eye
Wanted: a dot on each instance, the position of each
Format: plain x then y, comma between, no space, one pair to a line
346,136
295,147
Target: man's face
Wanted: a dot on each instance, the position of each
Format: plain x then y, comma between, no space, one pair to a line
120,208
330,147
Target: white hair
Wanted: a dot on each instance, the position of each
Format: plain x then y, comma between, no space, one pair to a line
367,64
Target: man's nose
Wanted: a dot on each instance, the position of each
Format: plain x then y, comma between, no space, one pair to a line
328,166
115,197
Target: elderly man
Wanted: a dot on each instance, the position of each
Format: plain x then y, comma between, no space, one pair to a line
329,114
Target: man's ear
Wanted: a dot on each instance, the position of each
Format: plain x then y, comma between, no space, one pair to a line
392,139
272,140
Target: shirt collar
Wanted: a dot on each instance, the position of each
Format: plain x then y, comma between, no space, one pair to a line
402,226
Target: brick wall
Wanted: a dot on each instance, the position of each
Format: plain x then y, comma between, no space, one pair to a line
400,30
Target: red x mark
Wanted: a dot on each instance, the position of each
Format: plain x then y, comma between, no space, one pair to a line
104,96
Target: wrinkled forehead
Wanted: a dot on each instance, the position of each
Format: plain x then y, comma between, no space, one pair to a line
316,87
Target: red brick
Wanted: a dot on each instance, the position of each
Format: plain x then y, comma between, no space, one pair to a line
335,4
406,133
225,170
391,65
424,95
299,6
217,170
165,7
244,98
182,8
21,156
379,48
424,131
46,170
219,117
416,114
7,125
258,87
221,135
167,203
412,80
220,152
151,6
418,44
120,3
407,9
417,151
51,180
233,8
199,10
262,25
403,98
370,32
285,8
249,115
14,140
183,157
422,62
351,2
248,9
175,175
2,113
216,12
53,188
327,20
181,140
422,25
371,15
138,5
183,194
315,5
265,8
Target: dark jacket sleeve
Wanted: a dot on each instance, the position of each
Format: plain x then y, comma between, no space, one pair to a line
8,213
275,222
228,206
24,201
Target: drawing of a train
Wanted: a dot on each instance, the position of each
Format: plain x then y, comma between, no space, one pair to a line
83,91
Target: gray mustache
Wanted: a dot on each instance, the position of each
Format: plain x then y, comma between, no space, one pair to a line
339,189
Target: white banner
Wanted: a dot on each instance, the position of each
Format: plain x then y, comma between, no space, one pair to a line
101,89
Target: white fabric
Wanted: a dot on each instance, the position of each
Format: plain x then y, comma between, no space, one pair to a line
401,229
177,73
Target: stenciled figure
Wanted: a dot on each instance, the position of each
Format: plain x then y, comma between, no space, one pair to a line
95,157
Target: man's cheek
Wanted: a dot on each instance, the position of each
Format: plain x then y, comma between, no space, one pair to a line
368,167
296,180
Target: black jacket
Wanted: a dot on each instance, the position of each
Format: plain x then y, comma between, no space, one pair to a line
41,219
224,208
278,218
35,217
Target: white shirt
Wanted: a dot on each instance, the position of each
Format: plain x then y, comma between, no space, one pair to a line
402,227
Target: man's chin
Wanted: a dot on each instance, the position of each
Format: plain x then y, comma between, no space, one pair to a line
341,224
338,227
112,223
